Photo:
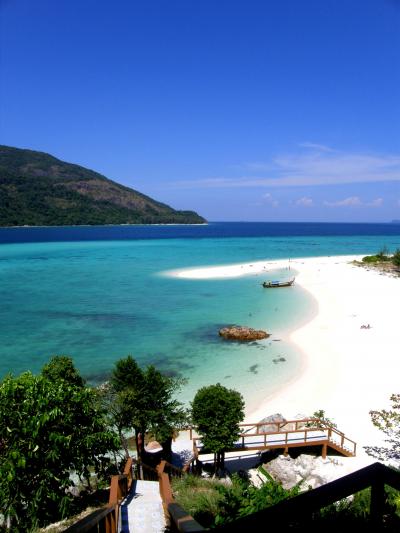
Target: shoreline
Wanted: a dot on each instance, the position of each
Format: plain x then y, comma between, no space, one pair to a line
347,370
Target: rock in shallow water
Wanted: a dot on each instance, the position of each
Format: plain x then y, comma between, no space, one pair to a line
243,333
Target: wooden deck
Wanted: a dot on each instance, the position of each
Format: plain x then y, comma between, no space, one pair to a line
289,434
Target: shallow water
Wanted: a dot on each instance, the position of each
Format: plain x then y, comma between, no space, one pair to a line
98,301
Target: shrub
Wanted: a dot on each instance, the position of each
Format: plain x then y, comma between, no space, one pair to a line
396,258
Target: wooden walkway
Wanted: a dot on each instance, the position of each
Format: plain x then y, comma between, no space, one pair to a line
288,434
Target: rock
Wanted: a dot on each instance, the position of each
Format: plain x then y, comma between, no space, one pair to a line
269,426
311,471
243,333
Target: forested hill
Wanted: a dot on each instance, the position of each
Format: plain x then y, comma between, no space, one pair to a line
39,190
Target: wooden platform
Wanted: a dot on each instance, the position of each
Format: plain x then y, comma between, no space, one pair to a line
305,433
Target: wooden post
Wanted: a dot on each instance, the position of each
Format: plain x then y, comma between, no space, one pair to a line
324,451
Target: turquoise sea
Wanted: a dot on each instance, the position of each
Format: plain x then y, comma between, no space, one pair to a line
98,294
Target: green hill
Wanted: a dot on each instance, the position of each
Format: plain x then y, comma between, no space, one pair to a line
39,190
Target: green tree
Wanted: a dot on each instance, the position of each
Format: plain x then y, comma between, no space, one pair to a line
49,428
61,367
389,423
143,400
216,414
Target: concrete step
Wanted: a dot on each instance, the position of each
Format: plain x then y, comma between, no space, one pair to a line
142,511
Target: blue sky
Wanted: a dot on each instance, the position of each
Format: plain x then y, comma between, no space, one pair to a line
240,110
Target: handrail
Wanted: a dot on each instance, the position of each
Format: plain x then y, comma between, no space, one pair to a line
317,424
302,506
108,516
180,520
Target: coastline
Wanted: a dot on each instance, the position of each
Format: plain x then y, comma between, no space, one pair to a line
347,370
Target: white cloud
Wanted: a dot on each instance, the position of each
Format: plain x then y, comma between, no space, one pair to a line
351,201
378,202
305,201
320,166
269,199
355,201
316,146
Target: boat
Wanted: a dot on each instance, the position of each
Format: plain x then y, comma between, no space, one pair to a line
274,284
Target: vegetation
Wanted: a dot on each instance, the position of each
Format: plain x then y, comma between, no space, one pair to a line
217,413
383,257
389,423
354,512
213,503
396,258
50,426
38,189
143,400
320,414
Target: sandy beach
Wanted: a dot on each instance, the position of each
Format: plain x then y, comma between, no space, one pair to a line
347,370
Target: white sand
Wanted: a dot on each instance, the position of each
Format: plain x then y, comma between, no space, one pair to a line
347,370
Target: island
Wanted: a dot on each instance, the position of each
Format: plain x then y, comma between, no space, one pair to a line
37,189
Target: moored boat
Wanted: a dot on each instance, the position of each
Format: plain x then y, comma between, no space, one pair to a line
274,284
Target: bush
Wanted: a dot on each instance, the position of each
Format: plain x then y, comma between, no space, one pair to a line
371,259
213,503
199,497
396,258
48,429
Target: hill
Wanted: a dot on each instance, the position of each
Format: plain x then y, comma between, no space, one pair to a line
37,189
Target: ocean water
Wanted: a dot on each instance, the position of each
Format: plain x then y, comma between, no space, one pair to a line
99,294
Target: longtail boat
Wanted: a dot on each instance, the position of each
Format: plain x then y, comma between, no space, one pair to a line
274,284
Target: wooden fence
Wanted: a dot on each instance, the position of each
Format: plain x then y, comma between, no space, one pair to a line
288,434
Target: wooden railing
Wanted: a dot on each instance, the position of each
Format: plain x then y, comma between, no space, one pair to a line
299,510
286,434
178,518
107,518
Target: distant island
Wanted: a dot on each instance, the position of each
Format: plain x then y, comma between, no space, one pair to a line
36,189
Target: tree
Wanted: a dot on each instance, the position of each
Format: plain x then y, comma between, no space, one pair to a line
216,413
61,367
48,429
143,400
389,423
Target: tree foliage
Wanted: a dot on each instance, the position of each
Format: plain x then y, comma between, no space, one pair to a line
389,423
216,413
61,368
49,428
144,400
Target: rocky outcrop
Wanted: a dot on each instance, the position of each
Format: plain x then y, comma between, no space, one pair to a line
243,333
270,423
310,471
